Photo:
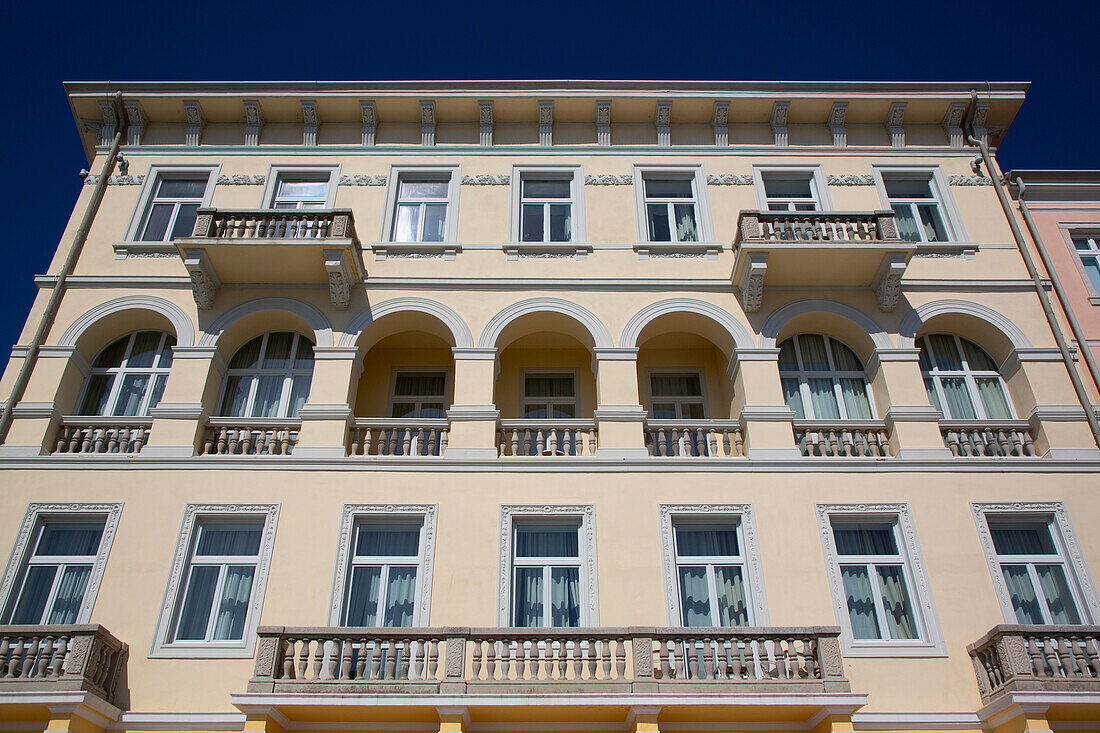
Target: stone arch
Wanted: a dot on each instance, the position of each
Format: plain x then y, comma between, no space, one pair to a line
322,330
774,324
454,322
181,322
740,334
953,306
601,337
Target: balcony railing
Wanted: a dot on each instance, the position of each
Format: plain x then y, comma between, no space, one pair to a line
547,438
41,658
1015,658
694,438
80,434
995,439
274,223
817,226
630,659
396,437
842,439
228,436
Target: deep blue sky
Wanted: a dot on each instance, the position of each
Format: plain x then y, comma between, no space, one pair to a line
1051,43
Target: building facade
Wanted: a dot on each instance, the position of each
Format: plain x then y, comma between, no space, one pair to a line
544,407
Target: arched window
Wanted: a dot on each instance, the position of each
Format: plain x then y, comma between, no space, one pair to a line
128,377
268,377
823,379
962,380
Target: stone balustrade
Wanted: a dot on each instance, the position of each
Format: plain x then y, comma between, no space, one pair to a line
274,224
250,436
982,438
816,226
694,438
84,657
842,438
1020,658
454,660
80,434
547,438
399,437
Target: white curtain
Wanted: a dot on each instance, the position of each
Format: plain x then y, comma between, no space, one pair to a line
277,355
233,605
195,612
814,356
546,385
528,594
993,398
676,385
959,406
268,392
547,541
865,538
1059,599
895,600
823,399
96,393
1022,593
400,596
686,230
362,608
421,384
793,397
844,358
236,396
861,604
69,539
1031,539
732,610
694,596
907,226
129,395
856,402
565,607
229,539
947,354
703,542
70,594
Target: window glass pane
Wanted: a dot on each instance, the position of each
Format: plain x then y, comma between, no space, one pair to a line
959,404
403,409
1052,579
565,606
895,600
531,225
435,217
923,358
269,391
663,411
676,385
299,394
844,358
1015,538
303,355
1081,244
96,394
302,189
534,412
732,609
185,220
793,397
823,399
419,383
158,391
362,607
668,188
810,206
112,356
548,385
195,611
657,215
546,189
865,538
233,604
561,223
692,411
946,353
236,396
788,359
387,540
694,596
856,402
993,398
861,604
433,410
130,394
933,225
247,355
933,396
277,354
563,411
65,538
785,187
181,188
547,540
907,188
977,358
1092,269
703,541
70,594
422,189
228,539
157,222
400,595
528,595
773,206
36,591
907,225
144,349
1022,593
685,223
814,357
408,217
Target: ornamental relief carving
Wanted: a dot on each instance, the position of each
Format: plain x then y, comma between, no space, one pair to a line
362,180
487,179
969,181
609,179
240,179
137,180
729,179
849,179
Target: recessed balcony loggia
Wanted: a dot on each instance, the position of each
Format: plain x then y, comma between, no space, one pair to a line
821,248
272,246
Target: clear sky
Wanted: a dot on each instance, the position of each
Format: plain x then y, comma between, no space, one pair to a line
1052,44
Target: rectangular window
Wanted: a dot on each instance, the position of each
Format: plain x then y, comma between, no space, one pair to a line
546,574
549,395
383,574
676,396
710,574
421,209
917,210
795,191
301,191
875,580
670,204
1035,572
1088,251
52,583
546,208
419,394
172,207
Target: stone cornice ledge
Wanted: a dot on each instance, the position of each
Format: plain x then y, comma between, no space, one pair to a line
336,352
911,413
766,413
26,409
472,353
473,412
619,413
179,411
319,411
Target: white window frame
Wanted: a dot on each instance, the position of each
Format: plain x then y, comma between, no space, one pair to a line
419,399
40,513
153,177
585,514
1054,514
930,642
941,194
575,175
803,376
680,401
548,564
453,174
967,374
696,174
289,373
1091,233
120,373
814,173
550,371
751,568
354,514
297,170
181,561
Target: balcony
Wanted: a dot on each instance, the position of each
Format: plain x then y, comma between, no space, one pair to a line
988,438
80,658
823,248
546,438
503,661
694,438
258,436
1017,658
272,246
842,439
399,438
118,435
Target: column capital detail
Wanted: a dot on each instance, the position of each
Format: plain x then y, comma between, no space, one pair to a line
615,353
474,353
336,352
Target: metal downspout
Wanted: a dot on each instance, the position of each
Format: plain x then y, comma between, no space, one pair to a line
46,322
1006,205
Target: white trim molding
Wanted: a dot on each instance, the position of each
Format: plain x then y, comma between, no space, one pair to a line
1055,513
914,319
572,173
586,513
322,330
181,322
351,514
153,175
181,559
44,511
460,332
819,186
692,171
941,191
743,515
453,175
586,318
931,643
739,332
774,324
310,170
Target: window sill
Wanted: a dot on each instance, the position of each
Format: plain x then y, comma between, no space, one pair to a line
647,250
203,651
125,250
415,250
894,651
574,250
1094,300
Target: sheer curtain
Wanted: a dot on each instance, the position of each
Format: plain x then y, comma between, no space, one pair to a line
36,591
547,541
699,542
993,398
1022,593
69,539
528,592
895,600
856,403
959,406
548,385
675,385
96,394
823,398
865,539
362,608
861,604
400,595
1022,540
694,596
418,384
732,610
565,607
1056,590
70,594
195,612
233,606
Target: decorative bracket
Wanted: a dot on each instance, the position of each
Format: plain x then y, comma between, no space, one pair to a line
895,116
427,122
135,116
311,120
779,123
752,282
887,282
981,116
952,124
546,122
204,281
720,121
196,121
254,122
837,117
339,278
485,120
110,122
603,123
663,119
370,121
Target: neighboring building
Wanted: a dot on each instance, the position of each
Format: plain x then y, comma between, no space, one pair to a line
545,406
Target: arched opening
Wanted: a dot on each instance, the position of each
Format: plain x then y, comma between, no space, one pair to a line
268,377
127,378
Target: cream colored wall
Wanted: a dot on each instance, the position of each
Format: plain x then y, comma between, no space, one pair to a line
380,366
514,362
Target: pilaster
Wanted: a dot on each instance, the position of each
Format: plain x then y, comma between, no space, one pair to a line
52,390
328,413
473,415
766,422
620,418
1042,393
912,424
179,421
